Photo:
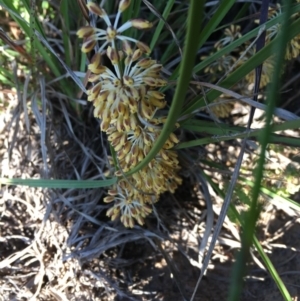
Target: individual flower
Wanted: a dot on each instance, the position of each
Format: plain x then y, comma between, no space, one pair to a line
220,65
112,33
224,63
223,108
230,34
267,68
273,30
293,48
266,73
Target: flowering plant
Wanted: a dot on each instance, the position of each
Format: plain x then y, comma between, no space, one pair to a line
126,98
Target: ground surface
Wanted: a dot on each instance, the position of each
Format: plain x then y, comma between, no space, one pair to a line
58,244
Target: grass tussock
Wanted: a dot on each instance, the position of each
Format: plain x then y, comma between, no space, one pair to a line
149,151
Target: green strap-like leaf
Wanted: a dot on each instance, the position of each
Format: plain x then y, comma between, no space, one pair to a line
161,23
186,67
212,24
226,132
242,71
50,183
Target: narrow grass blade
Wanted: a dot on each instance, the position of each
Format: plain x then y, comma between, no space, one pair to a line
28,30
71,73
6,77
161,23
266,260
274,139
284,114
58,183
269,265
245,38
254,211
214,21
130,13
64,9
194,25
201,125
242,71
225,133
273,195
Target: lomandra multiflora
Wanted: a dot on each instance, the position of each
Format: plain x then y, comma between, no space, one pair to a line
237,57
126,98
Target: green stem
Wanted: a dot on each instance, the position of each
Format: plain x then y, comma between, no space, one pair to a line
253,213
186,67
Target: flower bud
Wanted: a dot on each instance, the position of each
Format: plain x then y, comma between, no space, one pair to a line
143,47
99,108
102,96
108,199
114,135
156,94
119,124
95,65
157,102
96,69
133,122
127,157
140,155
118,173
173,138
85,31
96,9
95,91
141,24
112,192
123,5
94,78
127,220
126,124
127,48
119,146
168,144
136,55
113,55
112,212
133,106
88,45
128,81
111,97
147,140
145,63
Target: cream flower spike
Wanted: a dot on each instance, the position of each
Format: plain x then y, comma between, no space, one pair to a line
126,97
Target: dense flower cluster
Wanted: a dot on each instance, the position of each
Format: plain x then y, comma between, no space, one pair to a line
126,99
229,62
293,47
221,67
266,72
